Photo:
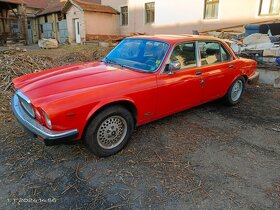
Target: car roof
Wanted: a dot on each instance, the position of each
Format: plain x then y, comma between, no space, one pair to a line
177,38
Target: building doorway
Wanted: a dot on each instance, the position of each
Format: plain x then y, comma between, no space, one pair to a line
77,30
29,32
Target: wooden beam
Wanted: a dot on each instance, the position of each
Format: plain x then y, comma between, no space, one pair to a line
12,10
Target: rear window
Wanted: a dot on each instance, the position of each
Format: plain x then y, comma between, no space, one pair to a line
213,52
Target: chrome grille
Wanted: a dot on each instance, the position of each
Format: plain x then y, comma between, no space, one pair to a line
25,103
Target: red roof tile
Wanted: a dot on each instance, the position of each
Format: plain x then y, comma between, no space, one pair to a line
55,6
40,4
87,5
12,1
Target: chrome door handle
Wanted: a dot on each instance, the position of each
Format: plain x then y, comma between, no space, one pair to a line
198,73
231,66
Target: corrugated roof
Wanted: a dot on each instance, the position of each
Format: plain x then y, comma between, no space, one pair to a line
86,5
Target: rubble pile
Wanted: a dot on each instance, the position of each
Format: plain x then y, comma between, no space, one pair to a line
263,48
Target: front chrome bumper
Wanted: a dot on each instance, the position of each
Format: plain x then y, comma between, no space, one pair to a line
50,137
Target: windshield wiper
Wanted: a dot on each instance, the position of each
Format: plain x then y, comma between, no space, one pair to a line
112,62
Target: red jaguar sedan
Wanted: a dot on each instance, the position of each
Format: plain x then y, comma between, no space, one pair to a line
142,79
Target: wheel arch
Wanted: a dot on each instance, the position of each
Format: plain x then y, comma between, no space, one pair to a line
245,77
128,104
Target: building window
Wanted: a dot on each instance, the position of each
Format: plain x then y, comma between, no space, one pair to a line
46,18
269,7
211,9
150,12
124,16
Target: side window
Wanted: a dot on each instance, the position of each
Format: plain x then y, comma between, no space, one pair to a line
185,54
225,55
210,53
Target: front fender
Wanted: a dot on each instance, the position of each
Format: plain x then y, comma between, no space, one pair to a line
106,102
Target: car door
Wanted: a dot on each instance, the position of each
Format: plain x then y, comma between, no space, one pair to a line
180,89
218,69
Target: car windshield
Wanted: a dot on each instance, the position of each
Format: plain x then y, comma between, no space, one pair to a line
140,54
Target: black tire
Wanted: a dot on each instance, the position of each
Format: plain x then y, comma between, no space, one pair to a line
94,135
229,97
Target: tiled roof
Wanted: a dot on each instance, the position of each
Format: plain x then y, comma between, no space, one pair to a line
86,5
12,1
55,6
39,4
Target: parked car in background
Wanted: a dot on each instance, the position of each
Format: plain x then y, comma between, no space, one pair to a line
142,79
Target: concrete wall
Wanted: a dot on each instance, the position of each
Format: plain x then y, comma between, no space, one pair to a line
72,14
183,16
270,77
101,23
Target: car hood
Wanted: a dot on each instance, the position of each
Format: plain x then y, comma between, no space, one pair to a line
63,81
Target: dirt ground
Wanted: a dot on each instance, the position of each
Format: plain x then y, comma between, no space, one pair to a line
208,157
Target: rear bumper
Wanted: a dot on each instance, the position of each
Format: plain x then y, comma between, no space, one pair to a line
30,124
254,77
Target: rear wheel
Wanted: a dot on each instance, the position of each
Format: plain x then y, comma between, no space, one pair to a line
109,131
235,92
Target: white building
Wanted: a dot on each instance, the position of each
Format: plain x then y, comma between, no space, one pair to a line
184,16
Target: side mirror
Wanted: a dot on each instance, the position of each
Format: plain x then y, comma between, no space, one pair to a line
174,66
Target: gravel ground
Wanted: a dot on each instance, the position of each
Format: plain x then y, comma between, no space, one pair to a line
211,156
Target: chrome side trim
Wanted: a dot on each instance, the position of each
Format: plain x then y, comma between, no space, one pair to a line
34,126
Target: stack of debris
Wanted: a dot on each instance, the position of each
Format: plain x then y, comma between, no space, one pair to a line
260,42
266,51
261,47
15,63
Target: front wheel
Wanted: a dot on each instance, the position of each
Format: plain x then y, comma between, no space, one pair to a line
235,92
109,131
